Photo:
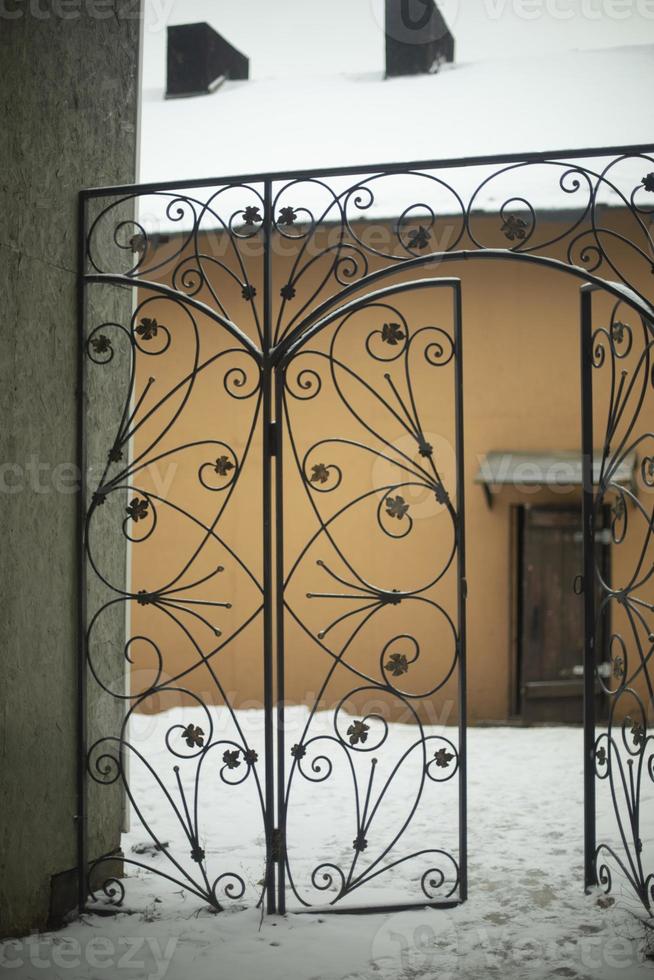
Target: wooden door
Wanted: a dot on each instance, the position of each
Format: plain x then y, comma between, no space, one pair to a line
551,616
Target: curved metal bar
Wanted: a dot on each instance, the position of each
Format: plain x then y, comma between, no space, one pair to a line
321,318
170,293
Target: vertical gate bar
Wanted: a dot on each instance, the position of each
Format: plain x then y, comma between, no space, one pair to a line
462,591
267,552
80,816
590,877
279,612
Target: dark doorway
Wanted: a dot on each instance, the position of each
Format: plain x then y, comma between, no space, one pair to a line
550,615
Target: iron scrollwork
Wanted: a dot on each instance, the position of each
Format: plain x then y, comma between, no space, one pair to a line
374,417
240,278
132,496
624,754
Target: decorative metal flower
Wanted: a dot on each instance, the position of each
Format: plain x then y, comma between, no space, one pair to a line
638,733
514,228
250,756
223,465
319,473
252,216
397,664
193,736
359,843
137,243
148,328
600,755
287,216
441,494
425,448
396,507
287,291
100,344
648,182
115,454
248,292
419,238
443,758
618,667
144,598
358,732
197,853
392,333
298,751
618,331
98,498
618,509
231,759
138,508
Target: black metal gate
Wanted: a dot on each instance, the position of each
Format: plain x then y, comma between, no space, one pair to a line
618,415
268,384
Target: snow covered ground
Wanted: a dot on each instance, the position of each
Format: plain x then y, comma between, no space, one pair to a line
527,915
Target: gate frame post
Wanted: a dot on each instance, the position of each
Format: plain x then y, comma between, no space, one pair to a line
279,375
462,591
81,814
588,519
269,445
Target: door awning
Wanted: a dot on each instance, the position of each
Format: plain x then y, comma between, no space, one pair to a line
541,470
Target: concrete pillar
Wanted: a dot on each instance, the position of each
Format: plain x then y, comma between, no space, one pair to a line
68,119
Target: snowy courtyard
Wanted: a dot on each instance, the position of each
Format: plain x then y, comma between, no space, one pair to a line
527,914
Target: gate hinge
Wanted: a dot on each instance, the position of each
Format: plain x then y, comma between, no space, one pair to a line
272,438
277,846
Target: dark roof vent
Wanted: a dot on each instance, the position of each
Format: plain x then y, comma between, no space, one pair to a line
418,40
199,59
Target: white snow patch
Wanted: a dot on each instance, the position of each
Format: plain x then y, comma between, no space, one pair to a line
571,100
527,915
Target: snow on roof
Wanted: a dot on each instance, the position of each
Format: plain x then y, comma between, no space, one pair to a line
573,100
300,38
317,99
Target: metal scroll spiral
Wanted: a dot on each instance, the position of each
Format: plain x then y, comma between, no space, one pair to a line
432,214
205,244
624,754
394,346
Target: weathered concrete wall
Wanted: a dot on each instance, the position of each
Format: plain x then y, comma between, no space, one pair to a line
68,113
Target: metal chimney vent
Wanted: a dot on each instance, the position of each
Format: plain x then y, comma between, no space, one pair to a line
418,40
199,59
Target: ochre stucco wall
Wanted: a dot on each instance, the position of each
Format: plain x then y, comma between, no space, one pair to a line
521,368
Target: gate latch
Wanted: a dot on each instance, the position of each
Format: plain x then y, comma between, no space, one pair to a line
272,437
277,846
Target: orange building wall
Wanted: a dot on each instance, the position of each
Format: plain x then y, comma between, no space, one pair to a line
521,392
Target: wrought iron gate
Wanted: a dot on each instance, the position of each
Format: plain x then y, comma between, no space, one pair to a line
618,405
270,390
